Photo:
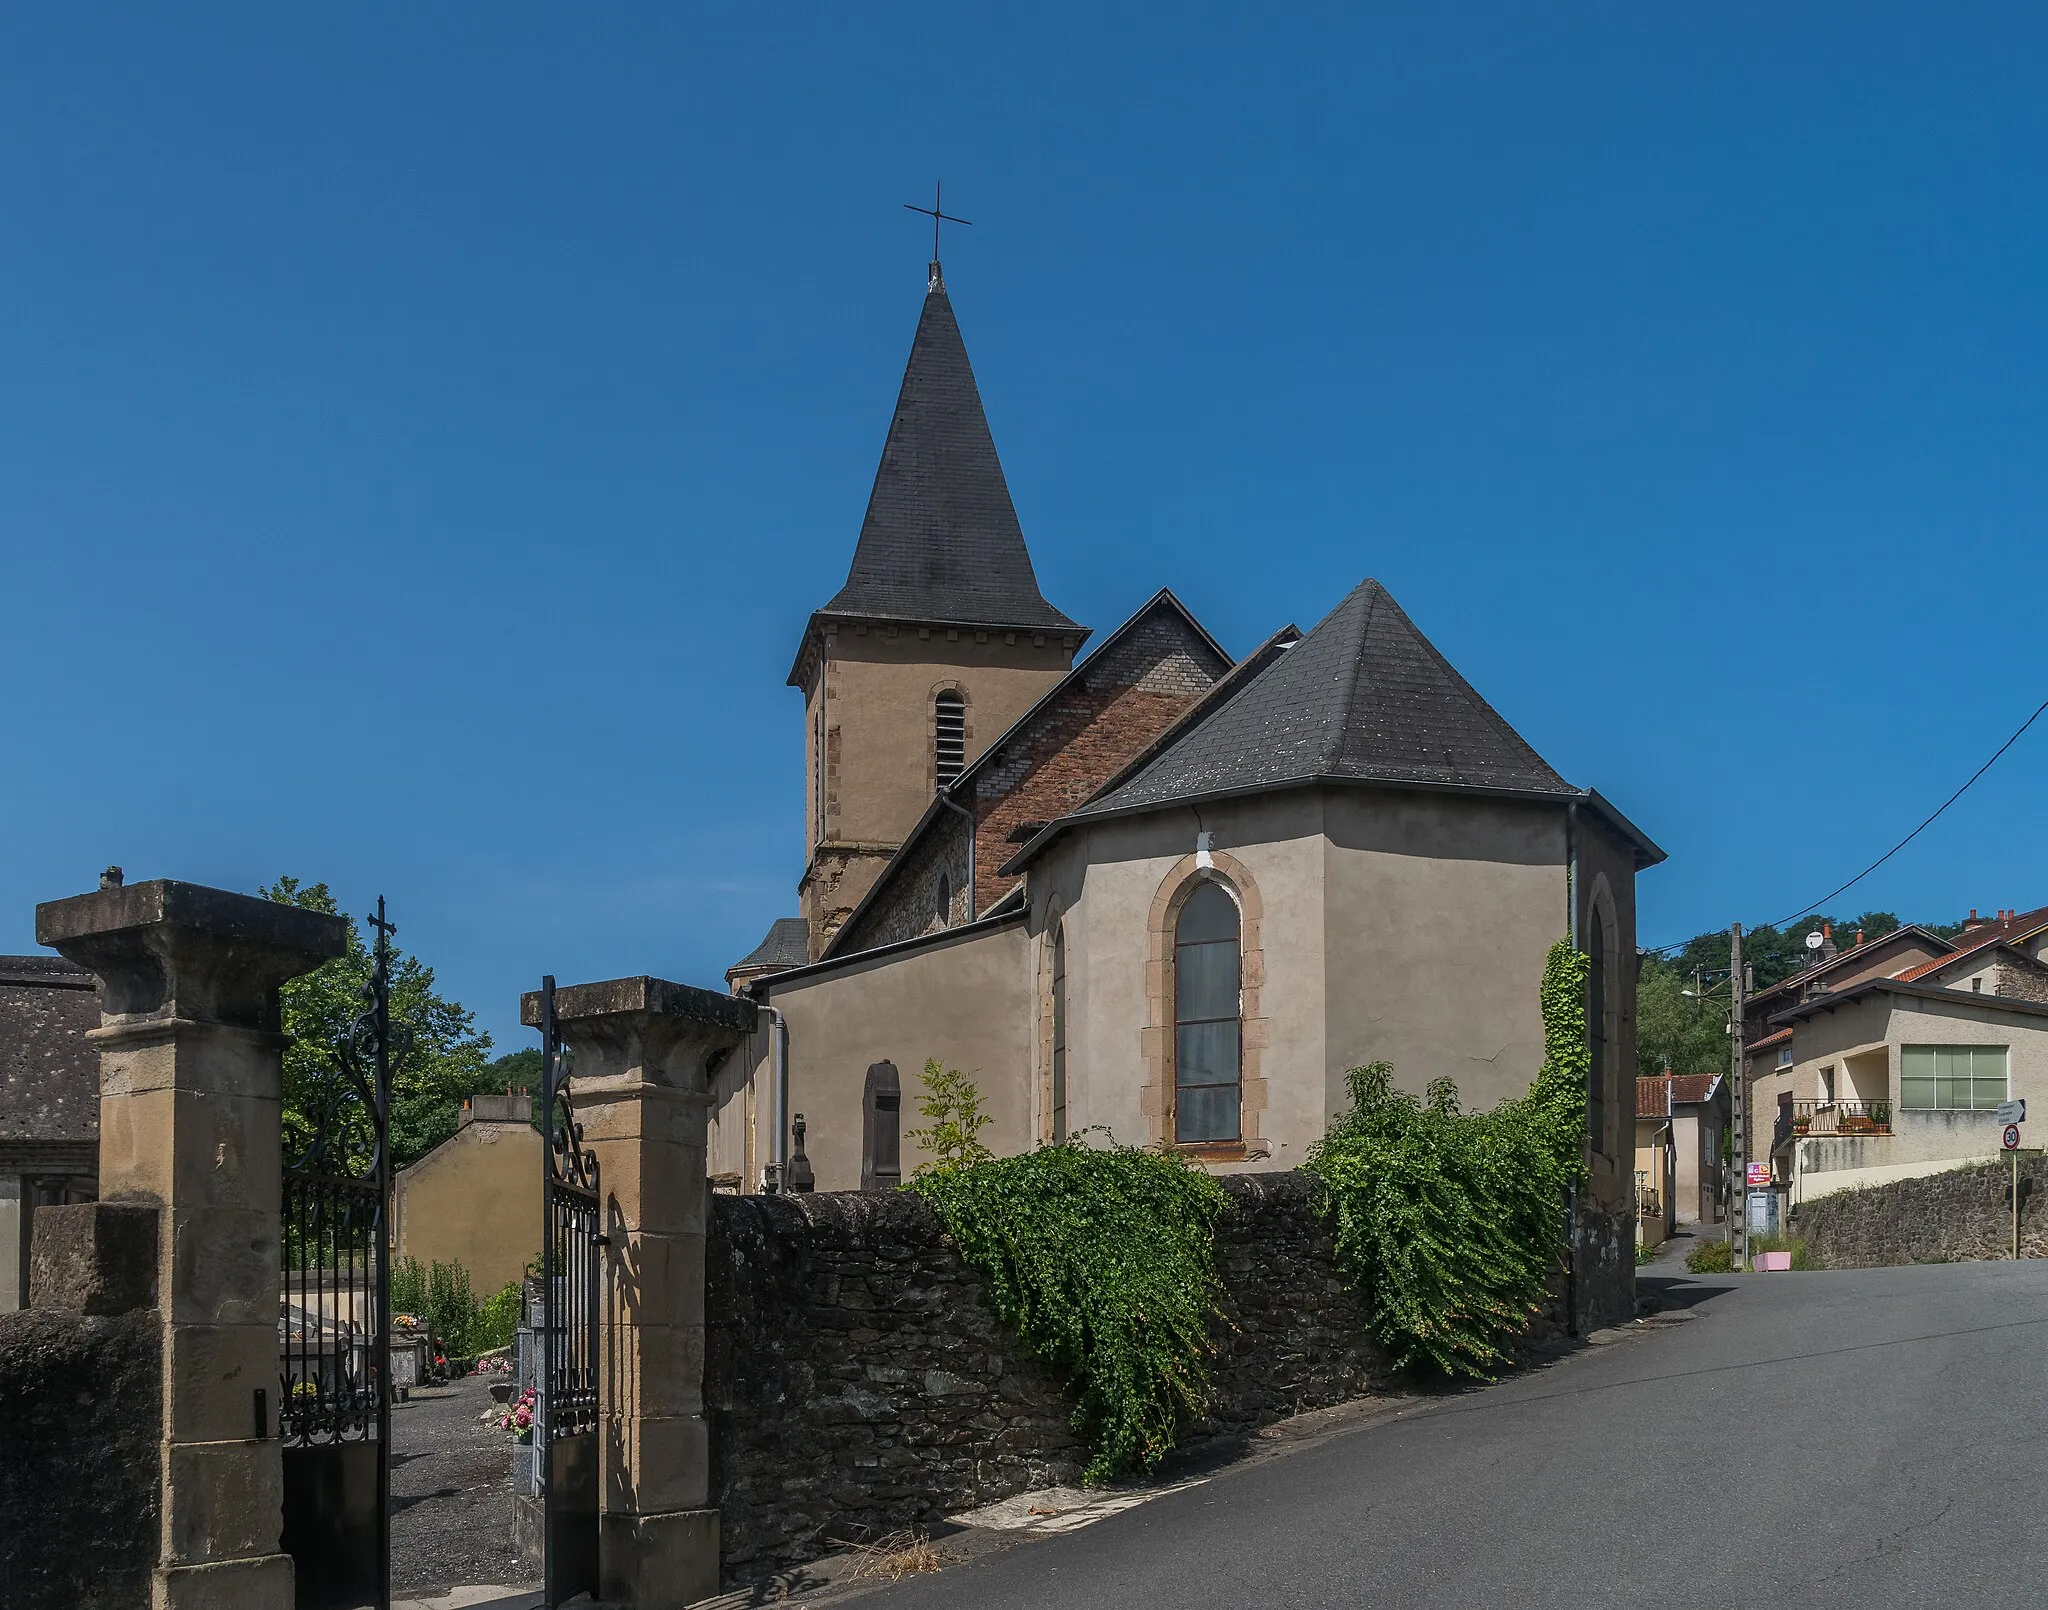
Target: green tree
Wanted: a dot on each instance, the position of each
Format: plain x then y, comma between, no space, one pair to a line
441,1057
1675,1030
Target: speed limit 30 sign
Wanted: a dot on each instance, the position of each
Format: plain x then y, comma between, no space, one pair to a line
2012,1137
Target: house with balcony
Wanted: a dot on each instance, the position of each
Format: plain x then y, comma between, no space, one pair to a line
1894,1078
1839,1056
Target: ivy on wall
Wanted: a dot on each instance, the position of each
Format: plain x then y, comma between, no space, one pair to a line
1451,1222
1103,1261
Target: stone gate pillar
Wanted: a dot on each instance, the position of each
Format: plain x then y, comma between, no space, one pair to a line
641,1051
191,1093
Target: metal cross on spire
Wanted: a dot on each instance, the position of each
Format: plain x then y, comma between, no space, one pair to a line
937,216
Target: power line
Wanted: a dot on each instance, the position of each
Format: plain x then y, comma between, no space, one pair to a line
1815,905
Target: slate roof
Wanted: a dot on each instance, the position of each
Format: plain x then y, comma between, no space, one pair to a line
49,1075
787,944
1364,697
941,540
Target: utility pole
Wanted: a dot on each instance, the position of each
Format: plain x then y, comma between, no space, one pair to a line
1738,1215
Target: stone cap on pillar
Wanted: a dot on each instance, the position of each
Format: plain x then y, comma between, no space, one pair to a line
182,950
657,997
669,1032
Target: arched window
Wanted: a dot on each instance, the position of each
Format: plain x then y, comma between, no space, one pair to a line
1206,1030
1596,1030
949,736
943,905
1059,1033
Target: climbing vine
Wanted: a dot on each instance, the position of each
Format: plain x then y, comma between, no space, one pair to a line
1103,1260
1450,1221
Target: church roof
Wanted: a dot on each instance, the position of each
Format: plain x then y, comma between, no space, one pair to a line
1364,697
787,944
941,542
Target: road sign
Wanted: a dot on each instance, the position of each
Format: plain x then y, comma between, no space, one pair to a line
2012,1112
2012,1137
1759,1176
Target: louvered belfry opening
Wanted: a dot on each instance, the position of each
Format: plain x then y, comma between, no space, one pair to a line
949,736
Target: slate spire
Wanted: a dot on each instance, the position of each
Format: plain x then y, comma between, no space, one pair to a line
941,543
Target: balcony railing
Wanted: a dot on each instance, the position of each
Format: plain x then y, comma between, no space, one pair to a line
1841,1117
1648,1205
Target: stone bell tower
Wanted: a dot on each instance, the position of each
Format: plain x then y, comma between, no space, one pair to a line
939,640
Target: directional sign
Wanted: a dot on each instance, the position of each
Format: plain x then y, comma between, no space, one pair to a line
2012,1137
2011,1112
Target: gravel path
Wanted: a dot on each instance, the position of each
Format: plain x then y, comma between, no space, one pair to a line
451,1491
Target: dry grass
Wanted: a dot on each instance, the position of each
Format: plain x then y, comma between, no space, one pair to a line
898,1555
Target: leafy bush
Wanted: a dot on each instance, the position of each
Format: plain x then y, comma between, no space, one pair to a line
497,1320
952,1103
1764,1241
1711,1258
1104,1263
1450,1222
441,1295
1645,1253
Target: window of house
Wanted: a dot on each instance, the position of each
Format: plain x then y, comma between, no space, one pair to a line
1951,1078
1827,1086
1206,1030
1977,983
949,736
1059,1033
1784,1056
1596,1033
942,907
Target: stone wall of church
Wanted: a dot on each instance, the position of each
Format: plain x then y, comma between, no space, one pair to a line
858,1384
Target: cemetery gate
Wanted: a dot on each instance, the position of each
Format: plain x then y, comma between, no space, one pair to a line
571,1245
334,1325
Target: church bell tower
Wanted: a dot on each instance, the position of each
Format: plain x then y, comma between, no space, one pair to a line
939,640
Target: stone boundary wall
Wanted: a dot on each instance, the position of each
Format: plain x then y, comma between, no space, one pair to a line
1963,1214
857,1383
81,1416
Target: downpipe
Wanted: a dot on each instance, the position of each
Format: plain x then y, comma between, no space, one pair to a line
778,1092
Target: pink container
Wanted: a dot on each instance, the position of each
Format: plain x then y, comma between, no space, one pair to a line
1766,1262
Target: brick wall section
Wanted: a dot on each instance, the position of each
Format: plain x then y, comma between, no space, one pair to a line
858,1385
1965,1213
1120,702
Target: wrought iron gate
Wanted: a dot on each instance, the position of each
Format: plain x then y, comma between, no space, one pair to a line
335,1316
571,1244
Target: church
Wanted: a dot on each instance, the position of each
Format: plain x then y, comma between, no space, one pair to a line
1149,889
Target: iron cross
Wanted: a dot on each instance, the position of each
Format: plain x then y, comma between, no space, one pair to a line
936,216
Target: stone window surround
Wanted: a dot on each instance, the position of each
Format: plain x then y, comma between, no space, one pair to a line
1156,1040
931,730
1055,916
1600,898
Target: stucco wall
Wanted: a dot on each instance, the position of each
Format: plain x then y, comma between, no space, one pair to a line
1441,910
878,686
474,1200
1105,880
965,999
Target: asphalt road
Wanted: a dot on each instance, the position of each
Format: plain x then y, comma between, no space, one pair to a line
1866,1439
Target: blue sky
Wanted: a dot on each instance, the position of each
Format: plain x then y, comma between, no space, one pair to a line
425,430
